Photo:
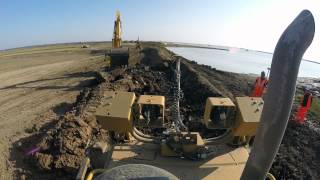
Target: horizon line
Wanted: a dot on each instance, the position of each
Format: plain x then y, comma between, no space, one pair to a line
192,45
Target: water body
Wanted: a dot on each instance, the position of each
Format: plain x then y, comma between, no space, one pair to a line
240,60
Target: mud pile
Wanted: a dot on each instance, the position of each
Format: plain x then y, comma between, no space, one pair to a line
299,153
58,150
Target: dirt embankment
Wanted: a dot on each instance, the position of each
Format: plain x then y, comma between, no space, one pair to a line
55,149
33,82
299,153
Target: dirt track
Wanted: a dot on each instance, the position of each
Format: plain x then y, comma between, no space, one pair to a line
33,84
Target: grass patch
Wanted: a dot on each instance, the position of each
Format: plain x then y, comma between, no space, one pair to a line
315,107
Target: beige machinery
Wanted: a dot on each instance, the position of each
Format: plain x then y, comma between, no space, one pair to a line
115,113
218,112
151,110
156,143
243,119
248,116
222,113
192,142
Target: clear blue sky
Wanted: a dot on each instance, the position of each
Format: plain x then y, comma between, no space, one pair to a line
255,24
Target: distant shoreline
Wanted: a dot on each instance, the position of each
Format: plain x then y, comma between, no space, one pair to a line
311,61
170,44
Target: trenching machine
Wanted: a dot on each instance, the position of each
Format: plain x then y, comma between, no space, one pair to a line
149,145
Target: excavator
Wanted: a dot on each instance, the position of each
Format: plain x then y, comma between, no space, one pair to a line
119,56
116,41
239,138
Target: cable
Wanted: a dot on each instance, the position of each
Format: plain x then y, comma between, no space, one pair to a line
225,137
141,133
143,139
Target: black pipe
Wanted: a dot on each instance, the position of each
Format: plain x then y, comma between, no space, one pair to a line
284,70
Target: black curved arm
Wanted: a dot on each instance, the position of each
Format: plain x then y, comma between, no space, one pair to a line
284,71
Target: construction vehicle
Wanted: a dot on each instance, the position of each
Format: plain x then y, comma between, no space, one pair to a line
149,146
116,41
119,55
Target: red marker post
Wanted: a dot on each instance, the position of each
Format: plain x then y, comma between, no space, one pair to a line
305,105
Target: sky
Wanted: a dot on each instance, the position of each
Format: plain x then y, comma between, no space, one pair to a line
252,24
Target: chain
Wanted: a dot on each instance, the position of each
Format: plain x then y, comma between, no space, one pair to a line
177,96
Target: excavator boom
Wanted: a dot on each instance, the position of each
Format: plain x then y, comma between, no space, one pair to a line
116,41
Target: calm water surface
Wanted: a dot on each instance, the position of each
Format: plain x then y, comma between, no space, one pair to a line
239,60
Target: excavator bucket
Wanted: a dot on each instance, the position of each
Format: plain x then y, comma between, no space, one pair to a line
119,57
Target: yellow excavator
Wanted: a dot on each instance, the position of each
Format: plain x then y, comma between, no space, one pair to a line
150,146
116,41
119,56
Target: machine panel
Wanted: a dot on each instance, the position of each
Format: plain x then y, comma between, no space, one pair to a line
227,164
248,115
153,106
219,113
115,112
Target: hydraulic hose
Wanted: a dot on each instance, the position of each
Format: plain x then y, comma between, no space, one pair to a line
143,139
138,135
274,118
223,138
142,134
